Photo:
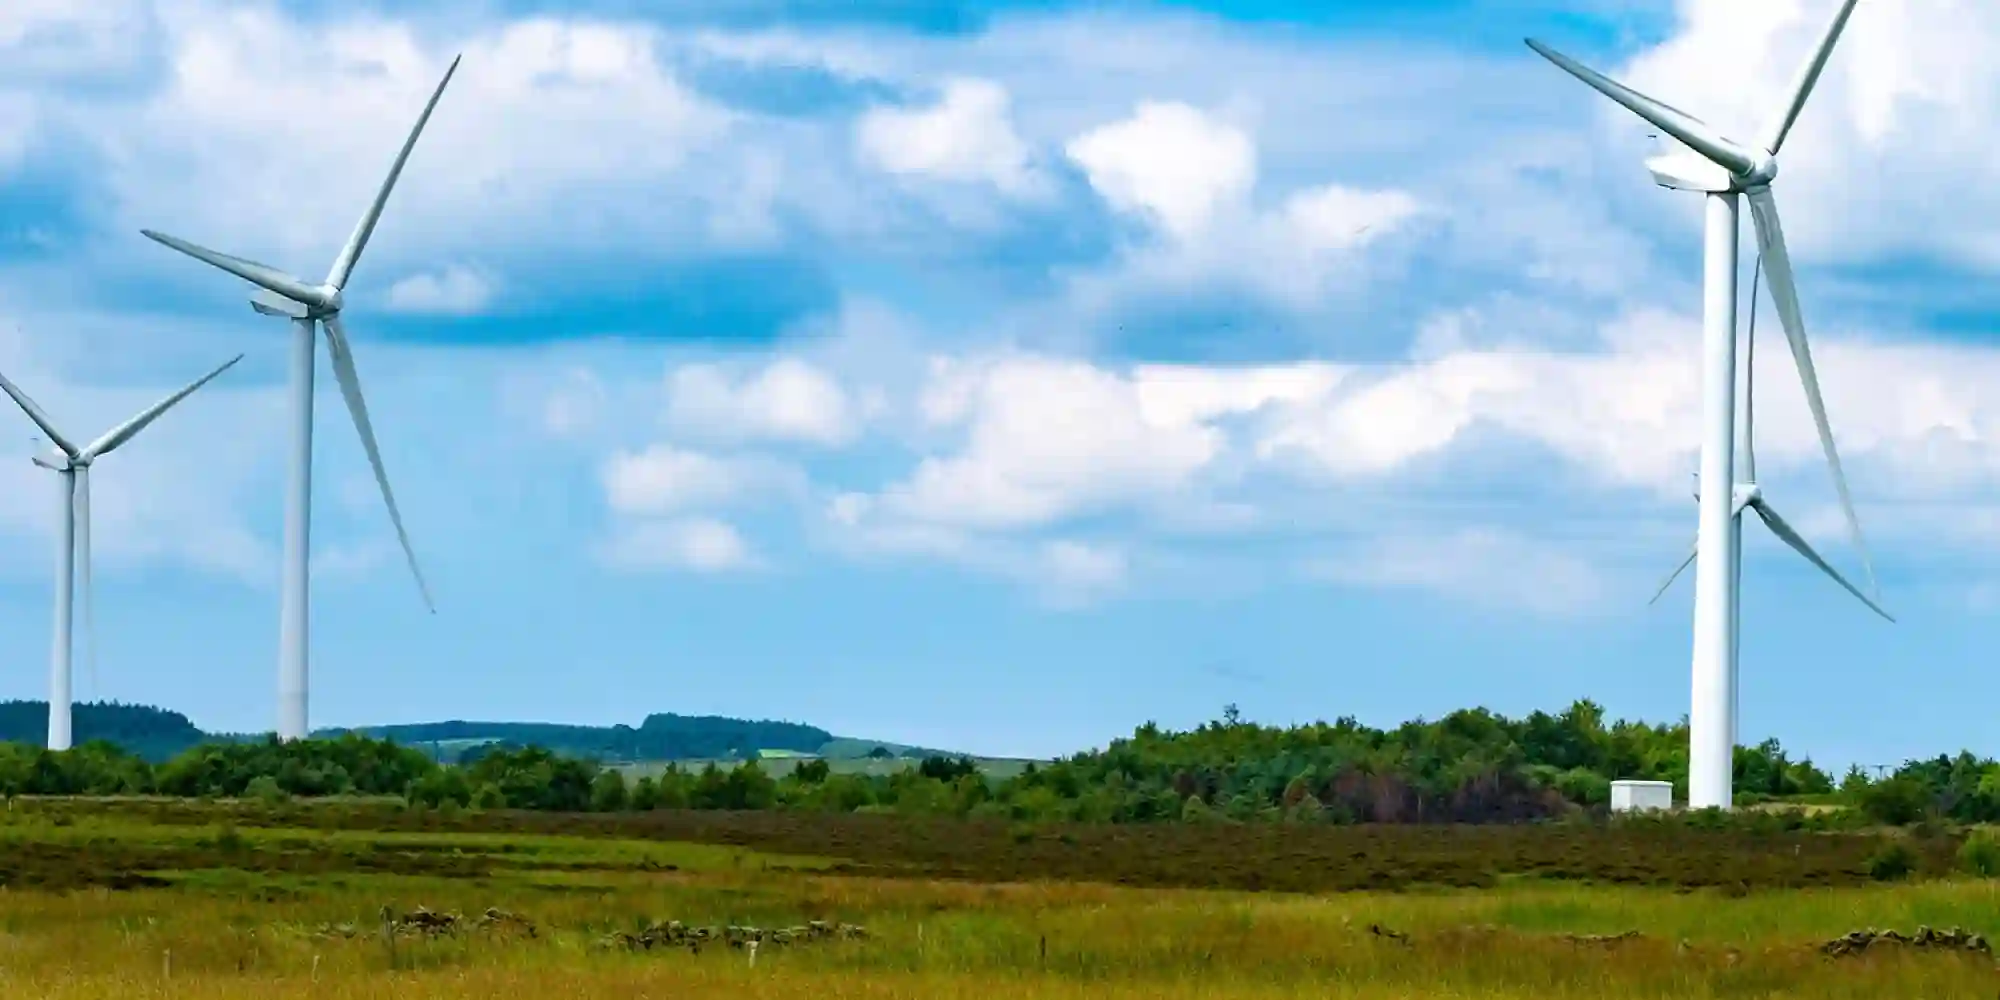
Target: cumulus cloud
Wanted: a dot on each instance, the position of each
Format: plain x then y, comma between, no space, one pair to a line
457,290
787,400
1168,162
1191,176
537,125
696,544
663,479
966,136
1051,438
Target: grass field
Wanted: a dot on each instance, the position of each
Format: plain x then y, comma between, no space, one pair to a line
148,899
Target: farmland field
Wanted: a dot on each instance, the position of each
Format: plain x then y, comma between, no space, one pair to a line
142,898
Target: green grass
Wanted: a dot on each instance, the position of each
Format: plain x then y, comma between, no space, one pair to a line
220,931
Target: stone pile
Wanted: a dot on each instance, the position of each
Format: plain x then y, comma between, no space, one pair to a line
675,934
425,922
1951,939
1602,939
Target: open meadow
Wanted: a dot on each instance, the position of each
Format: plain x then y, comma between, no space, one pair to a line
155,898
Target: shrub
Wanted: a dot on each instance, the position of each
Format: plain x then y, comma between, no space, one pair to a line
1893,861
489,796
1980,855
1896,802
265,789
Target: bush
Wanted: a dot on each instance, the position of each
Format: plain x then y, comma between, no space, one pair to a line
607,792
1893,861
1980,855
1896,802
489,796
265,789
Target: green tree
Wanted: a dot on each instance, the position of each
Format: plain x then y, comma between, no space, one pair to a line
607,791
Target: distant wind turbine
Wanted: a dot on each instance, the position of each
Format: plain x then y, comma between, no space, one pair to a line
1723,170
72,465
308,306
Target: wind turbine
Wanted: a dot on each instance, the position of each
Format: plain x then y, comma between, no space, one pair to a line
1722,170
309,306
72,465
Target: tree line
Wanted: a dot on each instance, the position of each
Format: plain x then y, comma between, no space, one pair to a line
1471,766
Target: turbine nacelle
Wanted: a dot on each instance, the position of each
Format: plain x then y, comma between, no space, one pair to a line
273,304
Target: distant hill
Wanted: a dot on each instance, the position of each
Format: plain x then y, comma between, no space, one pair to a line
662,736
153,733
157,734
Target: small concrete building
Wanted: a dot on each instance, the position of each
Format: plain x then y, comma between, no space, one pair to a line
1636,796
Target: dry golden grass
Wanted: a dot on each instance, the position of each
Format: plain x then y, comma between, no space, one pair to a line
224,934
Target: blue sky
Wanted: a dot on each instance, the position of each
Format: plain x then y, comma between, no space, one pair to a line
998,376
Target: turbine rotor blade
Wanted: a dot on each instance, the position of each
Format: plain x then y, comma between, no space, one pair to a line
36,414
124,432
1675,575
1750,380
1802,85
1790,537
1741,500
1697,134
1785,295
83,577
350,388
261,275
343,265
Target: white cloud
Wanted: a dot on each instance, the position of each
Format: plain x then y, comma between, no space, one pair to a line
1061,573
1076,573
663,479
1049,438
1170,162
966,136
1332,217
788,400
700,544
56,40
564,123
1192,176
456,290
1037,442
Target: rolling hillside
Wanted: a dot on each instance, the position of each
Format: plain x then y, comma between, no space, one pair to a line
157,734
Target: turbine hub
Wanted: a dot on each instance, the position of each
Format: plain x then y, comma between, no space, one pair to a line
1763,170
331,300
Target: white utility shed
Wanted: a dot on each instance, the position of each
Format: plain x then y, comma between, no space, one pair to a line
1631,796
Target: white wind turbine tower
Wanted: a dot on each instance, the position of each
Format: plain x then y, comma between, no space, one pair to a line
72,465
1723,170
307,306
